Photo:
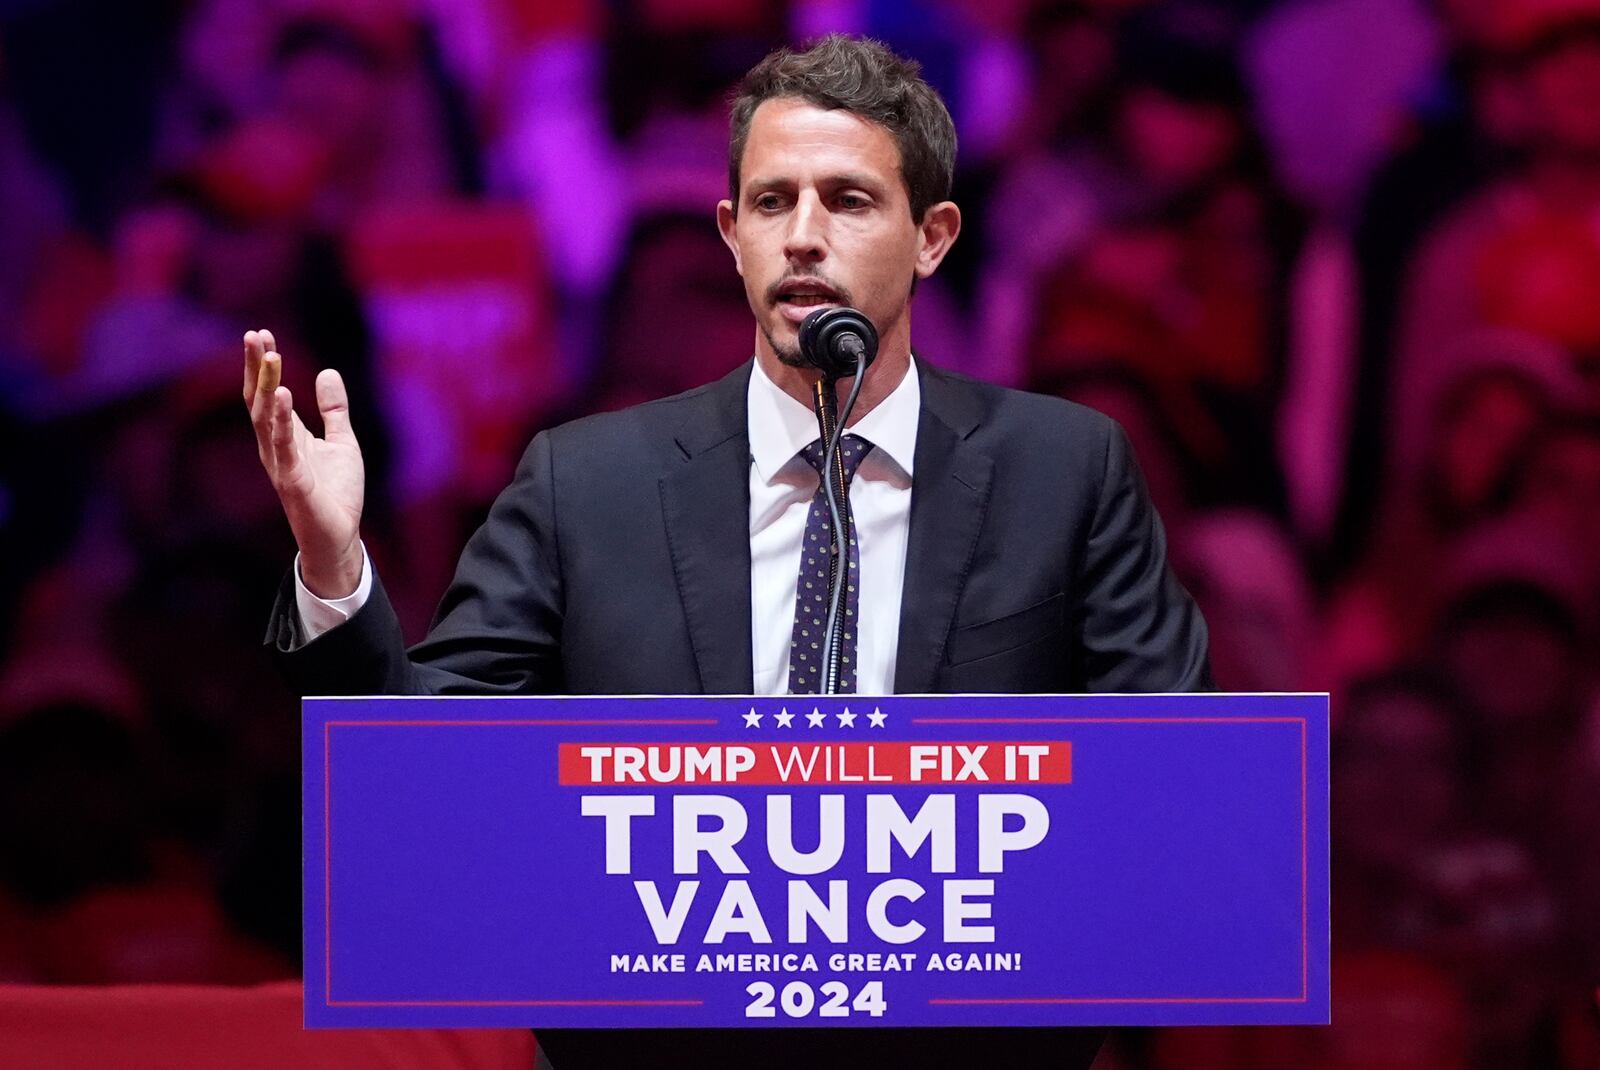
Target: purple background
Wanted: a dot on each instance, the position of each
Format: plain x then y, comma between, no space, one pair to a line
1332,264
463,873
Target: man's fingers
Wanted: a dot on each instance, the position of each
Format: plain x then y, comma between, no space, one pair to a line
257,344
268,372
334,405
282,431
271,374
252,367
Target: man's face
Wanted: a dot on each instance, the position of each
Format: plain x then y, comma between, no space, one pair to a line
822,220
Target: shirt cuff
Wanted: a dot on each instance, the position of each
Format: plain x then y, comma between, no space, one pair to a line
319,615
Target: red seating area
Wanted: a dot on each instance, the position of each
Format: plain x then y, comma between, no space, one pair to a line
186,1027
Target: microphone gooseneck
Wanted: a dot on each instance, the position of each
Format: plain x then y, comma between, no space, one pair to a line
837,342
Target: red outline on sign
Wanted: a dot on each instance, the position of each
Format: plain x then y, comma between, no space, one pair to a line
1305,924
1305,907
518,1003
523,724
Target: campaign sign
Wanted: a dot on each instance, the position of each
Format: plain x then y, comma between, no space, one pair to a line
795,861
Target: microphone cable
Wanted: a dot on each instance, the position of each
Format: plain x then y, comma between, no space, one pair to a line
834,483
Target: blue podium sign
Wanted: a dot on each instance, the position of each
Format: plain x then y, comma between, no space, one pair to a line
844,861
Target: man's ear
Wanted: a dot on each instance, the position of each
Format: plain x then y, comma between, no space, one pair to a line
941,224
727,224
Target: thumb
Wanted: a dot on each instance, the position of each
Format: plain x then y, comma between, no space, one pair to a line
334,405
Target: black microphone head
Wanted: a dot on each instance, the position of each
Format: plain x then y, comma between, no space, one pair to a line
836,341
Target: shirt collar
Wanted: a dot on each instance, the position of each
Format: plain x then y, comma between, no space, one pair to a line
780,426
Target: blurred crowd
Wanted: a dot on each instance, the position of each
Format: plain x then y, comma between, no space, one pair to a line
1333,264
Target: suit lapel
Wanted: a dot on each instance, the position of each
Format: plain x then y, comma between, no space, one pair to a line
706,506
949,497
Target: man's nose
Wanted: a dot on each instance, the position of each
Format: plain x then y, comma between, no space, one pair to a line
806,242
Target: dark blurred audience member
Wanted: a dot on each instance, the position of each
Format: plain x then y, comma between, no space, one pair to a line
1247,578
1558,481
1575,862
1471,455
363,90
77,810
88,76
677,314
1055,182
1182,283
1487,915
1515,650
1523,254
1399,788
106,895
1455,136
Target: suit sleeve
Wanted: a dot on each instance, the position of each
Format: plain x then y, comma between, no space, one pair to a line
1140,629
497,631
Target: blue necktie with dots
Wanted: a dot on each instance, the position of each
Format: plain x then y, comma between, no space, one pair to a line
811,596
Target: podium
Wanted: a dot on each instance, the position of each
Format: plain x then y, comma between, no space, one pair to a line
816,861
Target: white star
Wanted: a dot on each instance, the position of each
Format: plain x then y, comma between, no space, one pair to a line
815,718
877,717
784,718
752,719
847,719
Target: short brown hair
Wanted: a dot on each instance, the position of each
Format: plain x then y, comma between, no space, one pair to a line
861,76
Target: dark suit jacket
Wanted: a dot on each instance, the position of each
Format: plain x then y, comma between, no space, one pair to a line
618,562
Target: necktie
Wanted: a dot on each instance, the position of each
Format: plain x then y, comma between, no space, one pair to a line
811,594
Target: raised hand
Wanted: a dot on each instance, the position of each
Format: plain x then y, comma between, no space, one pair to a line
320,481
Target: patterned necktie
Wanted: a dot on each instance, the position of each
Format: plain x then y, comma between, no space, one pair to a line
811,596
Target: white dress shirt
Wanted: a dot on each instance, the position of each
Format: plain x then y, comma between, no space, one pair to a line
782,485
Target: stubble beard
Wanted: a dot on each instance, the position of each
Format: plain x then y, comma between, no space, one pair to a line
787,354
790,355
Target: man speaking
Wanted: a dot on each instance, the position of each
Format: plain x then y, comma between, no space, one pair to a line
1002,541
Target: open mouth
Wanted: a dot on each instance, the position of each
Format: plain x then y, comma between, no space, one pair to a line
806,293
798,298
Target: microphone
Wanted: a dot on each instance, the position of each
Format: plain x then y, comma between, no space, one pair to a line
838,342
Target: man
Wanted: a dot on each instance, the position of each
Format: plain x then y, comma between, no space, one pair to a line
1006,543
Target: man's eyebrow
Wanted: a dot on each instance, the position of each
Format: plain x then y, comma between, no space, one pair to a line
844,180
853,179
765,185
